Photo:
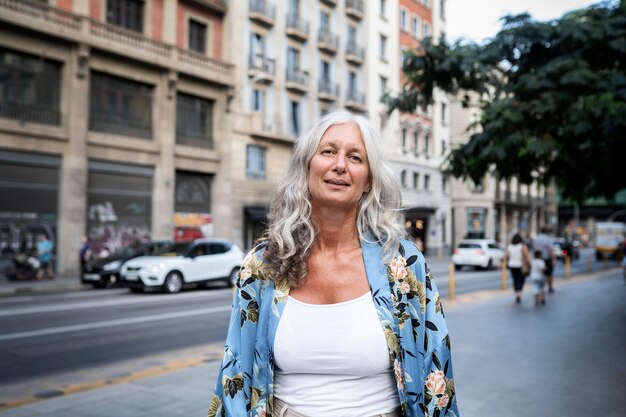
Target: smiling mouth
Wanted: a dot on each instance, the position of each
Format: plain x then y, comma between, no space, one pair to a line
336,182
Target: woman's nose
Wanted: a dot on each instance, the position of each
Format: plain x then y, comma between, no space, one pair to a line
340,163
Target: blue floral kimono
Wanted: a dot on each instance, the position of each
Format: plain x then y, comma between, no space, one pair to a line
410,314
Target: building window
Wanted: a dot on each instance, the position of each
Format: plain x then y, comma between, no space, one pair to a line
197,36
426,3
351,35
416,180
444,184
403,178
426,30
255,162
293,60
126,13
294,111
194,121
426,182
404,139
258,100
443,147
120,106
442,8
403,20
427,143
383,46
383,86
29,88
403,53
416,139
444,121
415,26
193,192
324,22
383,7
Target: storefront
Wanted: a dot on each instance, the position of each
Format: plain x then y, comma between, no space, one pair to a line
119,205
192,217
29,190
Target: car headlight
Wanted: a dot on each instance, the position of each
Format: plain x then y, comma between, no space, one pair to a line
112,265
156,268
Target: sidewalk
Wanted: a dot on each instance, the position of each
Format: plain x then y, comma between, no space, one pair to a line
565,358
57,284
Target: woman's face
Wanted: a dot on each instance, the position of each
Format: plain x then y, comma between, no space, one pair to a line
339,170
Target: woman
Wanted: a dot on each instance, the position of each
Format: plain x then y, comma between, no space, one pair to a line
335,314
519,264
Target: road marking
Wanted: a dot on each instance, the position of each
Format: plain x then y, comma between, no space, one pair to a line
147,298
212,352
112,323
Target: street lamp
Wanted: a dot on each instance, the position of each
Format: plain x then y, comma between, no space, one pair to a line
260,76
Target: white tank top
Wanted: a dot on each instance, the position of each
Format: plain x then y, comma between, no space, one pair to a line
332,359
515,255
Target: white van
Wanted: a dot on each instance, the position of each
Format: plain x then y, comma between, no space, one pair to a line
609,237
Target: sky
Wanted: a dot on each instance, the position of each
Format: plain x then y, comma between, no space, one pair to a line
479,19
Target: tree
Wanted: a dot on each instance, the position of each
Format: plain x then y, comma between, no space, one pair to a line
553,99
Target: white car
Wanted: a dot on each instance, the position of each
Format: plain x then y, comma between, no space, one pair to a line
479,253
189,263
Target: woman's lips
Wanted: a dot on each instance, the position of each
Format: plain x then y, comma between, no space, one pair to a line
335,181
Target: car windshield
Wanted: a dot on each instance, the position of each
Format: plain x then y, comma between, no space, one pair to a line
175,249
469,246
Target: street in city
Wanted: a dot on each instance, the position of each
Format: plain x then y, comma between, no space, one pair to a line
110,352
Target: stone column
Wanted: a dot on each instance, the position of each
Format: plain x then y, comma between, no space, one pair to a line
164,133
73,187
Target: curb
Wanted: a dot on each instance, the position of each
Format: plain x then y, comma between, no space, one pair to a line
8,289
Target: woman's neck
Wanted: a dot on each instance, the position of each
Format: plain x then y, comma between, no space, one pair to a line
337,231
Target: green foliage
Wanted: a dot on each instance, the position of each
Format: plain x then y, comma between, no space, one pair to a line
553,99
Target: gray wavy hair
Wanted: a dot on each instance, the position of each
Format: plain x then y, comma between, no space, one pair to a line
291,231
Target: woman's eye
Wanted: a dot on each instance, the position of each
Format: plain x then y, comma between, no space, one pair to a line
356,158
327,152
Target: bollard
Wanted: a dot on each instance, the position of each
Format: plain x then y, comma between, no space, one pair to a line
503,266
568,267
439,254
451,280
589,263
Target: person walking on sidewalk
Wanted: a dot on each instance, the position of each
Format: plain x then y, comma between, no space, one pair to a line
544,243
518,260
537,276
336,313
44,254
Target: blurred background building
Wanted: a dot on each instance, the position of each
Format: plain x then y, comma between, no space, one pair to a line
126,120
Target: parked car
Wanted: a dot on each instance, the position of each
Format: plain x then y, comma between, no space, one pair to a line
190,263
106,272
479,253
563,248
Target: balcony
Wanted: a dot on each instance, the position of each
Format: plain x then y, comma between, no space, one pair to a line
30,112
260,64
354,8
327,41
219,6
77,29
262,12
297,81
261,129
354,53
355,100
331,3
297,28
327,90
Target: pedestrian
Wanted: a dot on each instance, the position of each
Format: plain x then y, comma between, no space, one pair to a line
335,312
44,255
518,260
84,253
418,243
544,243
537,276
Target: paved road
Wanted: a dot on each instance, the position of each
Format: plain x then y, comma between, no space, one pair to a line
564,359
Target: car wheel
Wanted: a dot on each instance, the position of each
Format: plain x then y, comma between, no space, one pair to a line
173,282
113,280
232,278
